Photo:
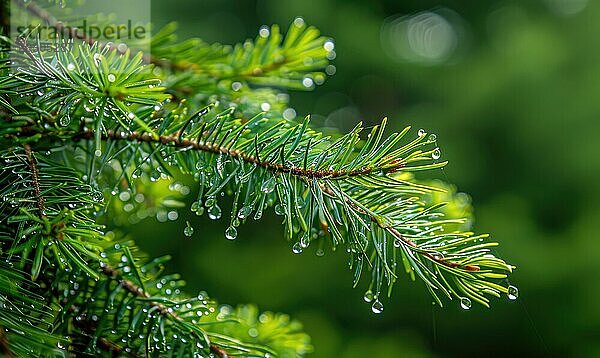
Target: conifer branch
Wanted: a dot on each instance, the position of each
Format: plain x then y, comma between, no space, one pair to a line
135,290
71,33
110,272
104,344
185,143
347,190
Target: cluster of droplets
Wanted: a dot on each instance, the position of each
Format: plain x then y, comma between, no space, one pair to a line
512,293
373,299
437,153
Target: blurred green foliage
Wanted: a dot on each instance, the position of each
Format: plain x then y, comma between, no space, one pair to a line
515,108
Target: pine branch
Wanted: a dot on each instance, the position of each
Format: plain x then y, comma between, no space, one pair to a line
138,291
400,238
175,141
301,160
83,269
71,33
103,343
134,124
185,143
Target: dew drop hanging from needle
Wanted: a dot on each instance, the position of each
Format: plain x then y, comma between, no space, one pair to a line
231,233
368,297
513,292
465,303
377,306
188,230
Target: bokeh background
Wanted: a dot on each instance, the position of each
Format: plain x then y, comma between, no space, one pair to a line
512,90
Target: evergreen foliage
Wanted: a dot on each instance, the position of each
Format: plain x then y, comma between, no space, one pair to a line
83,127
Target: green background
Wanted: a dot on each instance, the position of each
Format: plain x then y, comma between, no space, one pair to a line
515,107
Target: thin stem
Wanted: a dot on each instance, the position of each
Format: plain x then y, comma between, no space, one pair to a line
398,236
4,344
103,343
236,154
39,199
72,32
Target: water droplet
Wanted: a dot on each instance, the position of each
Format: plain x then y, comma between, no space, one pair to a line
280,209
265,106
231,233
188,230
289,114
297,249
305,240
130,115
210,201
236,86
70,67
465,303
214,212
397,243
97,196
111,77
244,212
124,195
172,215
328,45
368,297
377,307
64,120
258,214
264,32
422,132
196,205
513,292
268,186
155,175
436,153
330,70
97,58
98,153
307,82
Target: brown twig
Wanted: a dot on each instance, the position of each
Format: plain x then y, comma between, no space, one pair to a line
104,344
174,141
5,345
39,199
